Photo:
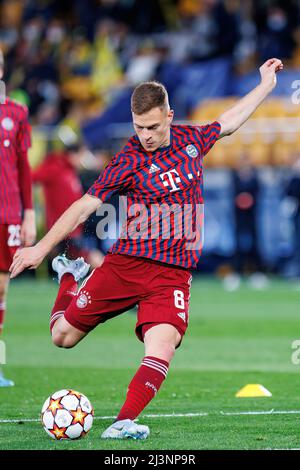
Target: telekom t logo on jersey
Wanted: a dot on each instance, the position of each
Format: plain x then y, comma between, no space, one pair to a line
170,178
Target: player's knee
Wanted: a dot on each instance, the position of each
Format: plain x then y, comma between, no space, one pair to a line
161,341
62,340
2,296
3,290
167,350
163,349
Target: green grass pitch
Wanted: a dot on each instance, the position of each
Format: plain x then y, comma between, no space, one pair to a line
234,338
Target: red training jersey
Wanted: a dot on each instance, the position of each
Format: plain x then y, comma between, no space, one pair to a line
15,178
61,186
164,195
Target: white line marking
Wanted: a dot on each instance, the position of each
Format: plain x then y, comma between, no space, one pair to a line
172,415
176,415
281,448
270,412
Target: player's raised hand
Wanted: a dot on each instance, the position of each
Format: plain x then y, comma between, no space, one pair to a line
268,72
25,258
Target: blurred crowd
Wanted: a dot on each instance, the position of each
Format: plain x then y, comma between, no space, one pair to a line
68,59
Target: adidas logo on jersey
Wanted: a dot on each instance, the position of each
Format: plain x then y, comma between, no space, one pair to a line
153,168
181,315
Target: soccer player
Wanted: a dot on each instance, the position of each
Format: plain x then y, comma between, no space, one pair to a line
60,169
17,219
162,163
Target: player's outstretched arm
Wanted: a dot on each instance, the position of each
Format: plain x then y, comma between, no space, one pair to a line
75,215
232,119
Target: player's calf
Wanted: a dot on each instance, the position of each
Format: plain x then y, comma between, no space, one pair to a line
65,335
2,311
161,340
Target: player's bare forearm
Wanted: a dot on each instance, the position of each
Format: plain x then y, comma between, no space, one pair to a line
237,115
75,215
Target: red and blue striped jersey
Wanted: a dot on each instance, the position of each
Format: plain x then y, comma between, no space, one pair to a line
163,195
15,177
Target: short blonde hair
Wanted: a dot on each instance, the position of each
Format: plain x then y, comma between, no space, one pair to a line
149,95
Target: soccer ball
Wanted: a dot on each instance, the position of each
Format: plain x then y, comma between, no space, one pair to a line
67,414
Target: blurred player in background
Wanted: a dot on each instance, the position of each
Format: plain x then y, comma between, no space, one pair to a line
17,219
293,192
247,260
162,163
58,175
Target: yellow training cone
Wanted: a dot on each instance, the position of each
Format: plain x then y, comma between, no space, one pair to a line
253,390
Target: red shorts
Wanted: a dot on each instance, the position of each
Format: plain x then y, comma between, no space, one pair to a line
10,241
162,293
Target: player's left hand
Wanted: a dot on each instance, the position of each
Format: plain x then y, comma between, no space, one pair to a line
28,229
268,72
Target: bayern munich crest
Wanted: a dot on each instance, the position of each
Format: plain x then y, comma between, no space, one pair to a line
7,123
191,151
83,300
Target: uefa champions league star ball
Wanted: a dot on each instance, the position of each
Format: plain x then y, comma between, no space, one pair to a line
67,414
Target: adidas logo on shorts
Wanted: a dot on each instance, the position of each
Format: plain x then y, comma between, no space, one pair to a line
181,315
